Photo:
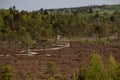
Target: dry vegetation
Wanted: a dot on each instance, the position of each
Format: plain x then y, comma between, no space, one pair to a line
66,60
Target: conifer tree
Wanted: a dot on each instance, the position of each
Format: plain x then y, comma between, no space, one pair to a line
117,76
82,73
52,72
96,68
5,73
112,66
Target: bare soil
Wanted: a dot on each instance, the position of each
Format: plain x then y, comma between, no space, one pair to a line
67,60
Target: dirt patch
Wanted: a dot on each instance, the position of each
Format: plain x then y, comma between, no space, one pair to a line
66,60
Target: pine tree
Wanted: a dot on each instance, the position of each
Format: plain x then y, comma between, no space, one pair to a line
117,76
51,78
5,72
96,68
52,72
29,75
82,73
112,66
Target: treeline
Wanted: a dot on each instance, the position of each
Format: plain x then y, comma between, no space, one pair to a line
43,24
95,71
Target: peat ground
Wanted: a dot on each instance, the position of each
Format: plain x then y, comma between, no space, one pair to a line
66,60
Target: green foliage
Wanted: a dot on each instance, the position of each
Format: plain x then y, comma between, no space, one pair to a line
95,71
74,77
5,73
29,75
51,78
27,40
1,21
96,68
116,16
112,66
101,21
117,76
52,72
82,73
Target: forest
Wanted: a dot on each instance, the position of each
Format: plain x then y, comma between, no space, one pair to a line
44,24
83,60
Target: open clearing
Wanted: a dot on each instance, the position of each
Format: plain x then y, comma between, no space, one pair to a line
66,59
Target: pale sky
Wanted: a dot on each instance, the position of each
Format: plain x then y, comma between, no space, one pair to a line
47,4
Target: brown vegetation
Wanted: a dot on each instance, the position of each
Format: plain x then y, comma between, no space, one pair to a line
66,60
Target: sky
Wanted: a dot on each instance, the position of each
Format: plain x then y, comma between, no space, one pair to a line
30,5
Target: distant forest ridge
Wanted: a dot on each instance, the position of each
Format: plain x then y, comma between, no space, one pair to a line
44,24
109,7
